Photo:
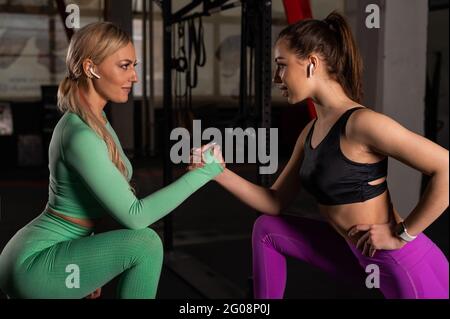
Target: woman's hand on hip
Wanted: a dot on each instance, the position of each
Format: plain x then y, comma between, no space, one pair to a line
376,237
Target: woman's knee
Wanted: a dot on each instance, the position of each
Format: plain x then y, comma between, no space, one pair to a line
146,242
266,225
150,238
263,225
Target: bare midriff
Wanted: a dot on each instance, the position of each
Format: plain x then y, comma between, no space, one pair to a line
88,223
377,210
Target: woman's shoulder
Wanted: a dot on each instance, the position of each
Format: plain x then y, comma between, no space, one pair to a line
72,119
365,118
367,125
75,130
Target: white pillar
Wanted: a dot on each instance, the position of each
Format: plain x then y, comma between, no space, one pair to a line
403,87
394,77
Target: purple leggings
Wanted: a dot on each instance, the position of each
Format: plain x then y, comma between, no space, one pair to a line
417,270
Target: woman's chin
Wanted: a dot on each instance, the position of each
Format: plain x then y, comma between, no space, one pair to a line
291,100
121,100
295,100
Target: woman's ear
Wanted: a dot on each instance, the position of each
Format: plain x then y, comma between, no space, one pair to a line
313,64
87,65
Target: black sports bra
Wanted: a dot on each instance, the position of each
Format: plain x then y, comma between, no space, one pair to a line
334,179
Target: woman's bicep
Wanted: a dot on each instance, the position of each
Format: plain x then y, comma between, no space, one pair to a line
420,153
287,184
88,157
288,178
386,136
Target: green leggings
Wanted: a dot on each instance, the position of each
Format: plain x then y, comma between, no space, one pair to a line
53,258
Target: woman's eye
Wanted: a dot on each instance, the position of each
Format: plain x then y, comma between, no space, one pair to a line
125,66
280,68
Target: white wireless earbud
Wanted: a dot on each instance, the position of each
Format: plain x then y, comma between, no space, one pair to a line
310,70
93,73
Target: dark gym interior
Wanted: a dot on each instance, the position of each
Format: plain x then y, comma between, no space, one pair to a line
207,239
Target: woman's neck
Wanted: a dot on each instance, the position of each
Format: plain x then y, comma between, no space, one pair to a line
330,100
94,101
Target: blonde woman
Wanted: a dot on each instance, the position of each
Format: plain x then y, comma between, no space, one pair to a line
56,255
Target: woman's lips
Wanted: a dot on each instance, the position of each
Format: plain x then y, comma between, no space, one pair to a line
127,90
284,91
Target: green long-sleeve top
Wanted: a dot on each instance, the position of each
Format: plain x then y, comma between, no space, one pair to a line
85,183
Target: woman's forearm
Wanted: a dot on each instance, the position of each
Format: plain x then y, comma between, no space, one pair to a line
260,198
433,203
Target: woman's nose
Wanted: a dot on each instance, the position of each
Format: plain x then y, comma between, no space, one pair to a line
276,78
134,77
